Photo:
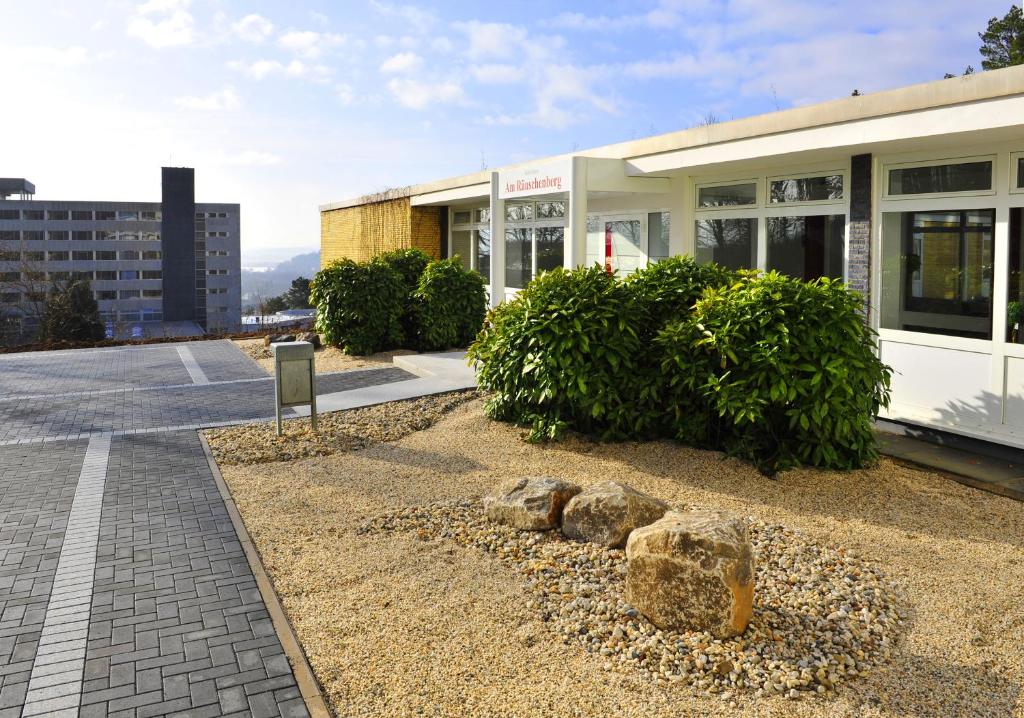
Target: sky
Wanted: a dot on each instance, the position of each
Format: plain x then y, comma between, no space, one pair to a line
284,106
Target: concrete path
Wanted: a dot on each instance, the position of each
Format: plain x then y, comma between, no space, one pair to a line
124,588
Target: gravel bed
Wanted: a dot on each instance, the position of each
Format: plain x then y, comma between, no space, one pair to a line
336,431
400,623
327,359
821,615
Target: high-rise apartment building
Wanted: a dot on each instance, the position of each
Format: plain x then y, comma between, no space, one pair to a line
157,268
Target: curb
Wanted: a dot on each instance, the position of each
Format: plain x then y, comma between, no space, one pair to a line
312,695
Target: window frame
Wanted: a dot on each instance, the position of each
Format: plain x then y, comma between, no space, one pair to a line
1015,157
758,194
842,173
993,159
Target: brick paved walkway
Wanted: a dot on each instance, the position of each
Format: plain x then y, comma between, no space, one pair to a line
124,590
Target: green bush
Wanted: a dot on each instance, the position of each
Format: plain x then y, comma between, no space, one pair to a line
449,306
409,263
778,371
668,289
71,314
359,306
565,353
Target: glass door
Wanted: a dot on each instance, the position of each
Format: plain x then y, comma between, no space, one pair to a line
625,243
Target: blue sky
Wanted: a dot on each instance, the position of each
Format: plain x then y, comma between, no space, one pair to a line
284,106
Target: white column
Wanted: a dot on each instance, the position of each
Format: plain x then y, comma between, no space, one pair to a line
497,242
576,228
680,234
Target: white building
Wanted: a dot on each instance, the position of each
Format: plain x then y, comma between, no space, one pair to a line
913,196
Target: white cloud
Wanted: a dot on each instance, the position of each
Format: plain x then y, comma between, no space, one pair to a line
403,62
261,69
419,95
73,56
226,99
420,18
163,23
498,74
251,158
308,43
253,28
344,93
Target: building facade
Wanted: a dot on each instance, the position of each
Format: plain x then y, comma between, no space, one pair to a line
156,268
913,196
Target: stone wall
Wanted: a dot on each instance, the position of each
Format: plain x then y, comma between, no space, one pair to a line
859,268
364,231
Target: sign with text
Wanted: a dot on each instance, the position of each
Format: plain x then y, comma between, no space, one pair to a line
529,181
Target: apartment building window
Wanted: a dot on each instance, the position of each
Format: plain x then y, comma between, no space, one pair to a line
152,254
34,256
56,214
217,290
217,272
151,216
58,235
152,315
10,256
152,274
149,236
34,215
152,293
105,275
127,215
129,236
81,214
105,234
10,276
129,316
57,256
8,235
10,297
105,215
10,214
106,294
216,234
128,294
81,235
217,253
54,276
106,256
32,235
129,274
81,276
129,254
82,255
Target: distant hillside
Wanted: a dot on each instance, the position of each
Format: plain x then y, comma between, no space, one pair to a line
275,281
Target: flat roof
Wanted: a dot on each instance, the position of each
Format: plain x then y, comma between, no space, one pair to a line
15,185
964,89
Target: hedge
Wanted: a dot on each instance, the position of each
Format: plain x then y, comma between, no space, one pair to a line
779,371
398,300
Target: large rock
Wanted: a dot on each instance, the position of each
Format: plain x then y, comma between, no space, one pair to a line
311,337
607,513
530,504
692,570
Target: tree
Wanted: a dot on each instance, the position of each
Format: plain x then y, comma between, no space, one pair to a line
1002,43
274,305
297,297
72,314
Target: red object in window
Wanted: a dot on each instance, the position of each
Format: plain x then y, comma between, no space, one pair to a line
608,248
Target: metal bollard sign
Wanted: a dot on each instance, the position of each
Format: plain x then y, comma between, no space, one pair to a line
294,378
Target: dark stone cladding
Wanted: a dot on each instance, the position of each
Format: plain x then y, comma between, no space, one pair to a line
178,239
859,266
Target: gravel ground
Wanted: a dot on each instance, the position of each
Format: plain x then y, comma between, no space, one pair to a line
403,623
336,431
327,359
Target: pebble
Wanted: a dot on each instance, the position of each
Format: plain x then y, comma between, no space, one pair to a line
815,606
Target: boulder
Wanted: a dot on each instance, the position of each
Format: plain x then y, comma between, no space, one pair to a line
311,337
692,571
607,513
531,504
277,339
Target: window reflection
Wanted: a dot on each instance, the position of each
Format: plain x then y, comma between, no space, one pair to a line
807,247
729,242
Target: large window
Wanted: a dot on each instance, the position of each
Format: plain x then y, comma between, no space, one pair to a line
727,195
729,242
941,178
807,247
1015,298
937,272
518,257
550,243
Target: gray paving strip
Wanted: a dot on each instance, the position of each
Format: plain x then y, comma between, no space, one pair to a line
55,684
192,366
